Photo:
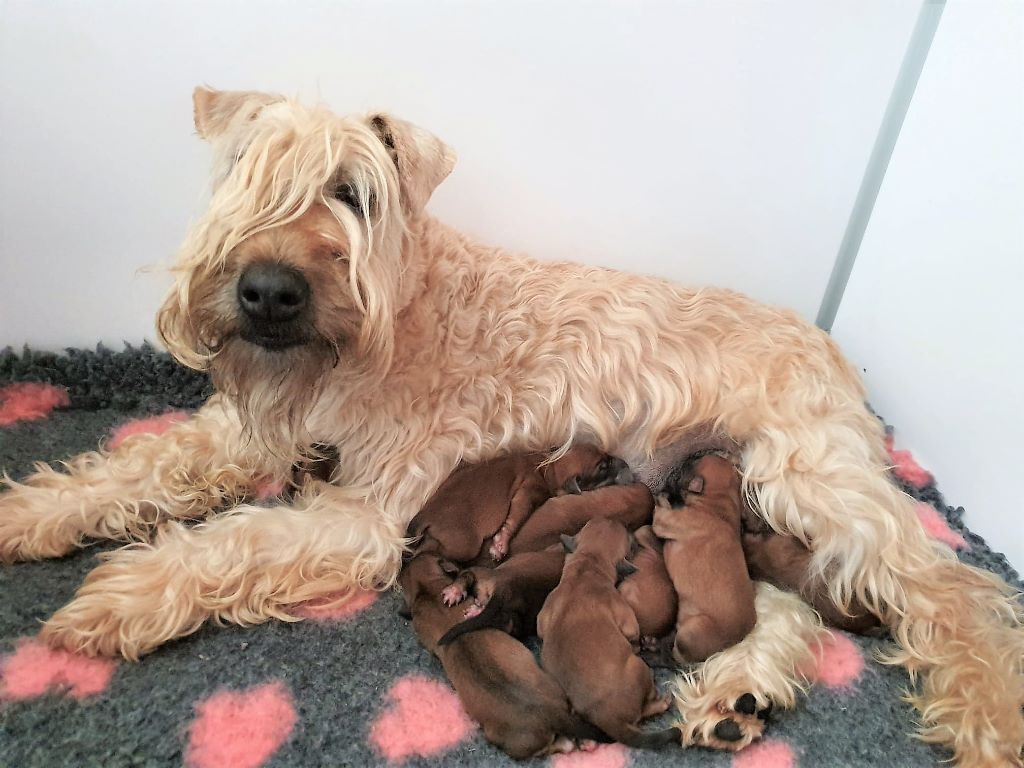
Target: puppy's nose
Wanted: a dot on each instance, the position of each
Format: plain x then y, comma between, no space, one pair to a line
269,292
622,473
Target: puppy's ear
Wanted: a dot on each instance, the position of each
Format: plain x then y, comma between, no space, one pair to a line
422,159
449,569
214,111
568,542
572,485
624,568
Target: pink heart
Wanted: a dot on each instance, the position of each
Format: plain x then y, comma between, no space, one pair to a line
765,754
154,425
240,729
838,661
935,525
425,718
34,668
28,402
905,466
604,756
339,606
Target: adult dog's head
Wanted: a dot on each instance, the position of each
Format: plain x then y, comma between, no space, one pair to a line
301,260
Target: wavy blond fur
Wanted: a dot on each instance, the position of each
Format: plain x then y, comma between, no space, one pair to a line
430,349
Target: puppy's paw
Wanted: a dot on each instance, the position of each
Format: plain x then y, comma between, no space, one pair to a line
453,594
474,609
499,546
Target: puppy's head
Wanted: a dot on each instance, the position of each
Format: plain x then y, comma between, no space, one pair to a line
584,468
606,539
298,264
425,574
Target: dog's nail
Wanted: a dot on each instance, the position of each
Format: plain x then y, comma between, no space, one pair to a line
746,704
728,730
764,713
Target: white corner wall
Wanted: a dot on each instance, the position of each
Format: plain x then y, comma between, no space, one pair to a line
705,141
934,310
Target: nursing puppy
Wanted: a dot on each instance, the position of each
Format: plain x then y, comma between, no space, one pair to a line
785,562
492,499
632,505
508,597
520,708
589,633
649,591
699,518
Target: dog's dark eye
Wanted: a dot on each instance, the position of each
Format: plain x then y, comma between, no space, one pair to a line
349,195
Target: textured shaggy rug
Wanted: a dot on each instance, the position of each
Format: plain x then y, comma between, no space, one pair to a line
348,688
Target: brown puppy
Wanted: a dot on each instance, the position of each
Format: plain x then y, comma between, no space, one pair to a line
699,517
507,597
589,634
491,500
520,707
632,505
783,561
649,591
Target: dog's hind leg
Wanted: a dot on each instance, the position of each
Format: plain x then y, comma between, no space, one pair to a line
244,566
722,701
195,466
959,630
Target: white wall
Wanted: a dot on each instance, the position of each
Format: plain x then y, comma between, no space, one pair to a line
705,141
934,311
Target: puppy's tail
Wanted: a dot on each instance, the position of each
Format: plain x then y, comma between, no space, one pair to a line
577,728
495,615
632,736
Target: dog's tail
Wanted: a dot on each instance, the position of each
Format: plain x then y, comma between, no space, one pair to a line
579,729
632,736
495,615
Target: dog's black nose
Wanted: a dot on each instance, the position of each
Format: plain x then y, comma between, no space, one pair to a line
272,293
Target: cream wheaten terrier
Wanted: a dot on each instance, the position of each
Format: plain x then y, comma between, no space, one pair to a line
330,308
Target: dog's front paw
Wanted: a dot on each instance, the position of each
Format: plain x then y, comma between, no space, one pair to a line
27,528
727,726
138,599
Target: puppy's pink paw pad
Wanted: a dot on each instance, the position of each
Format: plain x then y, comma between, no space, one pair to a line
905,467
838,661
336,607
29,401
425,718
452,595
155,425
240,729
603,756
765,754
937,527
34,668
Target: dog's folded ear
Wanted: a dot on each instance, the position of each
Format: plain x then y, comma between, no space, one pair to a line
624,568
422,159
214,111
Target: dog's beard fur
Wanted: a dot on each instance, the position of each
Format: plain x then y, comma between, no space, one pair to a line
274,391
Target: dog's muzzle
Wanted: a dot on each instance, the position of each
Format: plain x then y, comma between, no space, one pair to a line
274,300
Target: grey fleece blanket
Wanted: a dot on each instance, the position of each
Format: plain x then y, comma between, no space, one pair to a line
345,688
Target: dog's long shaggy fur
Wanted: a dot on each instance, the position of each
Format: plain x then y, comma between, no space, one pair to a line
423,349
777,653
